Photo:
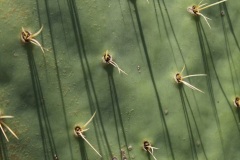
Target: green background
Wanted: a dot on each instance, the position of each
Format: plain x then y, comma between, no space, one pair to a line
48,95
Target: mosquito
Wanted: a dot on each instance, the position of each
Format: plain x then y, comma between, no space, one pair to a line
107,58
236,102
78,131
149,148
2,124
195,9
180,79
27,36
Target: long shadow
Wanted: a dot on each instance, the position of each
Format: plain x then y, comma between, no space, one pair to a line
82,148
229,54
172,29
203,37
119,2
230,59
28,48
166,29
82,56
62,22
58,76
152,78
209,81
230,25
227,42
195,123
109,70
45,127
40,23
114,98
158,23
114,92
135,29
190,133
3,149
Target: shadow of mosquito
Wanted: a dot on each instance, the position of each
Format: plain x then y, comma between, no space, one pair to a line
152,77
44,124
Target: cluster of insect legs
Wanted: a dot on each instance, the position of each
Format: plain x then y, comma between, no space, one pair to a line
108,59
149,148
180,79
28,37
78,131
195,9
2,124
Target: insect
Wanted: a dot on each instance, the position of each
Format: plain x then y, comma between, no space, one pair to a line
6,126
78,131
149,148
195,9
236,102
27,36
180,79
107,58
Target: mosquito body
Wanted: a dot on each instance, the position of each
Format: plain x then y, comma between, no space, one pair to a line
107,58
149,148
27,36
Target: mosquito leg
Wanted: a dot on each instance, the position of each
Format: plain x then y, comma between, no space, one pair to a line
89,120
211,5
84,130
182,69
119,69
5,125
191,86
152,155
1,117
202,5
205,18
4,133
115,65
37,33
194,75
34,41
89,144
24,31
